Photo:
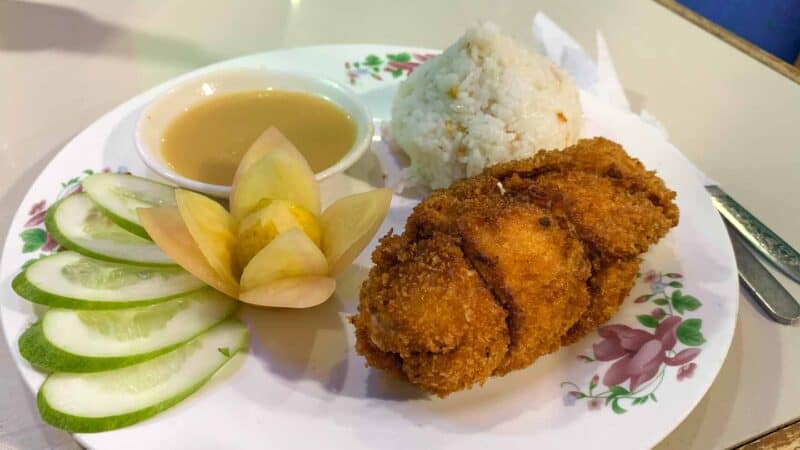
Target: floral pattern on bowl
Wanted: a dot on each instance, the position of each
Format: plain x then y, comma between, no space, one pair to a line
642,357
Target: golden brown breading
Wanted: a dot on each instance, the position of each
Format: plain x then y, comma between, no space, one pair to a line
617,206
501,268
535,266
598,156
615,222
427,310
441,211
609,285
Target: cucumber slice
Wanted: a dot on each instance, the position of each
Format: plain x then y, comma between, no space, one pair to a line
102,401
74,281
90,341
119,195
77,224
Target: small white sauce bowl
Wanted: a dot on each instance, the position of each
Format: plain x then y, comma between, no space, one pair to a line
157,116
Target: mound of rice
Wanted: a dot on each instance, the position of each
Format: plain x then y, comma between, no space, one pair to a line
485,100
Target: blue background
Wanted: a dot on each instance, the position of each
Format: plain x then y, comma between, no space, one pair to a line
773,25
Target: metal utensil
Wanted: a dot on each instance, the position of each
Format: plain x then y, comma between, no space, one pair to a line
768,291
766,241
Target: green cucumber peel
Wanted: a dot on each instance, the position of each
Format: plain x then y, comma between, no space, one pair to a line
124,223
47,356
52,228
79,424
43,355
95,192
33,294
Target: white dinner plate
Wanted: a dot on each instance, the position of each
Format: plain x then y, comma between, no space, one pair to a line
302,385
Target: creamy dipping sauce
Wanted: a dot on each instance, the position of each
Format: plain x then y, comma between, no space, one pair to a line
206,142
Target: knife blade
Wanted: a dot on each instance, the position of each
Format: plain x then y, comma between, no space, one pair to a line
759,236
767,291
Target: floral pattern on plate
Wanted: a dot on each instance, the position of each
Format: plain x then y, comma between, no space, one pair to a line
34,234
642,356
394,65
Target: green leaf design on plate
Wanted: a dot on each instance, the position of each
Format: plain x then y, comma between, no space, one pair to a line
619,390
616,408
661,301
70,182
225,351
373,60
689,333
682,303
399,57
675,284
647,320
653,397
397,73
33,239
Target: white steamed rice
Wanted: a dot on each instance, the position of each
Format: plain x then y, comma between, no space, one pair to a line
485,100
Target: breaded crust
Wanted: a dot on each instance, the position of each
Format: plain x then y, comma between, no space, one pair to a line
504,267
428,309
536,268
615,222
597,156
442,210
610,283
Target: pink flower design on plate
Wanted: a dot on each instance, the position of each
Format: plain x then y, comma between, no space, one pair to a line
50,244
36,219
651,276
638,353
686,371
36,214
37,207
639,358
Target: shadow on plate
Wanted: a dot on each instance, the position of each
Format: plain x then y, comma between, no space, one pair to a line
316,345
119,149
311,351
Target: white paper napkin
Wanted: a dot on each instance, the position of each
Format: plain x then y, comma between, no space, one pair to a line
598,77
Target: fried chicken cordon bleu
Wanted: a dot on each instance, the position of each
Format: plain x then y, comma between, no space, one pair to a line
504,267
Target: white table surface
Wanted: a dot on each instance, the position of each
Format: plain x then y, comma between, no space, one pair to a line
64,63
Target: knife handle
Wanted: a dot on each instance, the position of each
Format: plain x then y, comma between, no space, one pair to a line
769,244
765,289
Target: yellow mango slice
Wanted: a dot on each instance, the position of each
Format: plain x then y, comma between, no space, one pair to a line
297,292
291,254
258,229
212,229
349,224
282,174
165,226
